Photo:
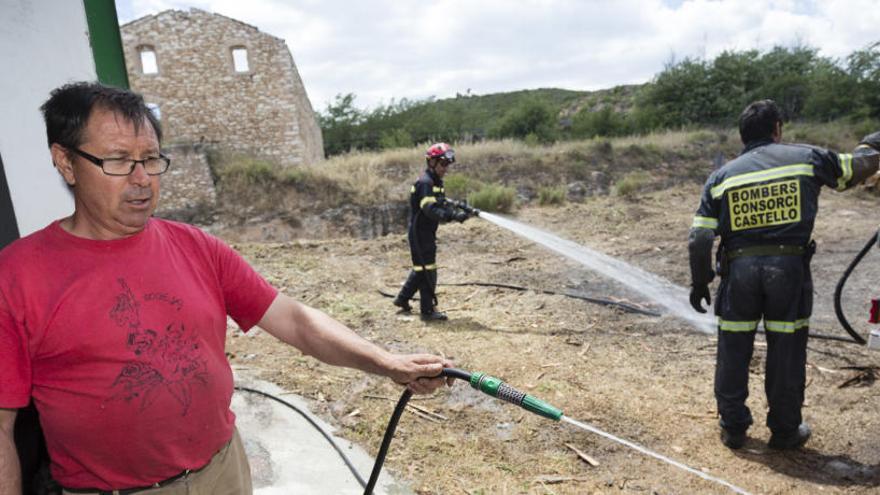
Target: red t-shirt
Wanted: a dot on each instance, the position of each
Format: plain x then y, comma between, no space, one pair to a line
121,345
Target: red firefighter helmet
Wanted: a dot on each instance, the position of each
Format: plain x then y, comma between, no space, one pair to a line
440,150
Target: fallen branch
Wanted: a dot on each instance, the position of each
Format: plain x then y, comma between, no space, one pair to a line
865,376
421,414
417,410
552,479
698,415
586,458
428,411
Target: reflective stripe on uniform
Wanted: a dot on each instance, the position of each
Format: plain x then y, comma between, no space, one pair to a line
438,189
418,268
762,176
412,189
846,170
705,223
427,200
737,326
786,326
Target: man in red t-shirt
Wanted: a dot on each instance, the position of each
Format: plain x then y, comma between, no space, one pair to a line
114,322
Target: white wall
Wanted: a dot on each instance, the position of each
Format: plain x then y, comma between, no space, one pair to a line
43,44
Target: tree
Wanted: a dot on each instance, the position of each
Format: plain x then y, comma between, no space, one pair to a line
786,77
338,124
530,117
833,92
864,68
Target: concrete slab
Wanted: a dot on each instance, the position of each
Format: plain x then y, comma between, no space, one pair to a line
289,456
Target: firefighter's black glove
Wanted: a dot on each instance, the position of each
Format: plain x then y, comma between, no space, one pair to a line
872,140
698,294
460,216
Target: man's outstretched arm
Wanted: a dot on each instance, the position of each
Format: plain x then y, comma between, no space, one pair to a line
317,334
10,472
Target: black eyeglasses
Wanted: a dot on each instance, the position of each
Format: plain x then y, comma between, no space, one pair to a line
154,165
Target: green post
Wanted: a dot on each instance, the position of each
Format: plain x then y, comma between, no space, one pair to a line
106,42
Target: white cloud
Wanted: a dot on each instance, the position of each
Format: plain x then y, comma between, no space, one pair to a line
384,49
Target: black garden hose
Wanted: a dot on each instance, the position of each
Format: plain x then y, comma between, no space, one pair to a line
392,426
838,291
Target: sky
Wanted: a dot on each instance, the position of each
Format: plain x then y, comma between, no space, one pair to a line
386,50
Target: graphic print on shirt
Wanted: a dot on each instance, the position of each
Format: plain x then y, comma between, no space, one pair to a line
164,358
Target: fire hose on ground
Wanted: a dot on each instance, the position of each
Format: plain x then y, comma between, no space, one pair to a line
838,292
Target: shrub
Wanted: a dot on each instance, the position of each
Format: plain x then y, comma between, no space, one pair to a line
603,122
530,116
397,138
310,181
632,183
493,197
603,148
551,195
460,185
702,137
251,171
864,127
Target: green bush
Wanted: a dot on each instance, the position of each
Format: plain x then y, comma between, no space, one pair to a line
460,186
530,117
293,176
532,139
632,183
493,197
865,127
252,171
551,196
603,148
603,122
397,138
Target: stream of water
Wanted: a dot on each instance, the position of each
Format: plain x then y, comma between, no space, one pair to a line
657,289
653,454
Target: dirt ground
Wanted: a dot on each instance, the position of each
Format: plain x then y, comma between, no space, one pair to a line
646,379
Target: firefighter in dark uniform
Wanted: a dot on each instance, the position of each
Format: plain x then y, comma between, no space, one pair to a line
428,208
763,205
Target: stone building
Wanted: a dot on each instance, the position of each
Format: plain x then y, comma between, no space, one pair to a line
218,82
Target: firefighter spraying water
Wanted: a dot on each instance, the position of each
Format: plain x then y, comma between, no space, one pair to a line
429,207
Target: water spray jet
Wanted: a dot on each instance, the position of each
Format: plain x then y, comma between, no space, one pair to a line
670,296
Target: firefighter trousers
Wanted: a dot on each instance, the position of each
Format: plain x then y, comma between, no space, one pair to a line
779,291
423,276
425,282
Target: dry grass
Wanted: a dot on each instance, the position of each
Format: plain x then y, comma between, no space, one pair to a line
645,379
250,189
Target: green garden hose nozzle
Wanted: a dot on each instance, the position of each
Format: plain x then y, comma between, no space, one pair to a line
498,389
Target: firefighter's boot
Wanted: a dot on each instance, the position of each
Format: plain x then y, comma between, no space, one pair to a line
792,440
434,316
403,304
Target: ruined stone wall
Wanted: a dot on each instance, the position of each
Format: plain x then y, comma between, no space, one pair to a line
262,112
187,188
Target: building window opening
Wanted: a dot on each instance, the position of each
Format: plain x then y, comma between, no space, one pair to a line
240,59
148,60
155,109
